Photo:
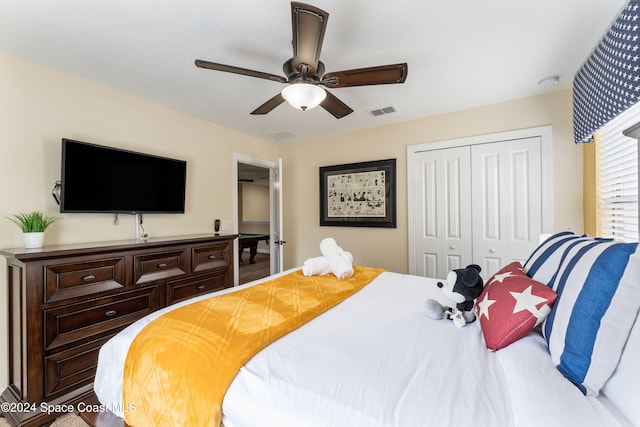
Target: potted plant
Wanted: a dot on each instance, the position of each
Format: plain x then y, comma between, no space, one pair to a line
33,224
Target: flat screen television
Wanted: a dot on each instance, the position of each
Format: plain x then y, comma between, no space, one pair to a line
96,178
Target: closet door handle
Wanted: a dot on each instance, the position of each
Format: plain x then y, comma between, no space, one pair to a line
493,251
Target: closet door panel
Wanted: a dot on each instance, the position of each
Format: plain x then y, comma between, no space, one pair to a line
429,200
520,196
453,262
490,202
426,215
456,204
452,199
443,218
429,264
507,201
488,198
525,221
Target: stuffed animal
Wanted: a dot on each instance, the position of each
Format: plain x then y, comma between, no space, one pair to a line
463,286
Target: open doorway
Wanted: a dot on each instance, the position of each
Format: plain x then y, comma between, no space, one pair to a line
257,207
254,226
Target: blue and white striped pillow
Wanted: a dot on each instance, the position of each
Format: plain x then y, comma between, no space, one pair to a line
544,262
598,286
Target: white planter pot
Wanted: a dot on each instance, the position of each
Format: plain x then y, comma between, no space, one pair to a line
33,240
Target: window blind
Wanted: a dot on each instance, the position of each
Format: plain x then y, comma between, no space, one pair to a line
617,178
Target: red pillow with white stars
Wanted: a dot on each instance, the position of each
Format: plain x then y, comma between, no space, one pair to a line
511,305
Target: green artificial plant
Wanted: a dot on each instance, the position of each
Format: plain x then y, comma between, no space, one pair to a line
33,222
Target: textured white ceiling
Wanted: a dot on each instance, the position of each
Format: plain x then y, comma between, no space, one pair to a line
461,54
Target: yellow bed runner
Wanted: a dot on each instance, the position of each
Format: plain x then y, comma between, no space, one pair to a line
179,367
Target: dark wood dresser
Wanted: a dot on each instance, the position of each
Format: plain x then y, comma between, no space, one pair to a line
65,302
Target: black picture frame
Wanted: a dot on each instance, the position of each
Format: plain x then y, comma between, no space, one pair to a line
359,194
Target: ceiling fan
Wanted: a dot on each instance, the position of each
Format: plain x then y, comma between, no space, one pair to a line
305,73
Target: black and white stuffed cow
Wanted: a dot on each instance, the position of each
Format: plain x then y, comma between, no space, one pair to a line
463,286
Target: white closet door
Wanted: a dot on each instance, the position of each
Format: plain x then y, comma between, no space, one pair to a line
507,202
443,211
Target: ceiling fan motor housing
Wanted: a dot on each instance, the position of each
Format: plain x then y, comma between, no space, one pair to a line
294,74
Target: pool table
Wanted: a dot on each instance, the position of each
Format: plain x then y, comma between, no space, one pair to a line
251,241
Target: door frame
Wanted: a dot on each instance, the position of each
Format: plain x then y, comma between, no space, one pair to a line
275,210
546,145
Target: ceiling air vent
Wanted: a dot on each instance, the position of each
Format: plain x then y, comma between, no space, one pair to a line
282,135
383,111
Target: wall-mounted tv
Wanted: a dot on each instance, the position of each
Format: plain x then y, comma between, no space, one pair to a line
96,178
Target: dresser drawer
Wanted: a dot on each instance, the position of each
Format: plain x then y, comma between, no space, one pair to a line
64,281
211,257
158,266
181,289
72,368
97,317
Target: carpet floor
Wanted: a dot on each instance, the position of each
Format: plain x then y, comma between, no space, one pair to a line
67,420
250,272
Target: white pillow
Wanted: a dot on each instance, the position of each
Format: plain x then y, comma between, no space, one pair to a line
598,302
623,388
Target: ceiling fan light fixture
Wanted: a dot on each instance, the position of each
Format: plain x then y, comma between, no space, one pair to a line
303,96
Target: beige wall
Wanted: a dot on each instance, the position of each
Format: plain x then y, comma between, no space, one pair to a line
39,106
255,202
253,211
388,247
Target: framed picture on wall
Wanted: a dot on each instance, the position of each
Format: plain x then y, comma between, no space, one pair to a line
359,194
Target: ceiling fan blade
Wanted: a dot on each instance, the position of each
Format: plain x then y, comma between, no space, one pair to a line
380,75
309,24
237,70
336,107
269,105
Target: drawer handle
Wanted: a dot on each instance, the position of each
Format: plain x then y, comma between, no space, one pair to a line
201,288
89,278
162,265
212,257
110,313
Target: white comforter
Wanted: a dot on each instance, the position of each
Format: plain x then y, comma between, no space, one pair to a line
376,360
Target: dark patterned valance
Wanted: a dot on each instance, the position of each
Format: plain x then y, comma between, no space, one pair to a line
609,81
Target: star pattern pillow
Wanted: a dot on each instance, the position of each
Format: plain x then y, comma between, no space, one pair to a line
511,305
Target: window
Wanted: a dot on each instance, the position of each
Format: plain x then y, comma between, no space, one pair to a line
617,178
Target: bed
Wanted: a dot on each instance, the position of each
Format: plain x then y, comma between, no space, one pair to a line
375,359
